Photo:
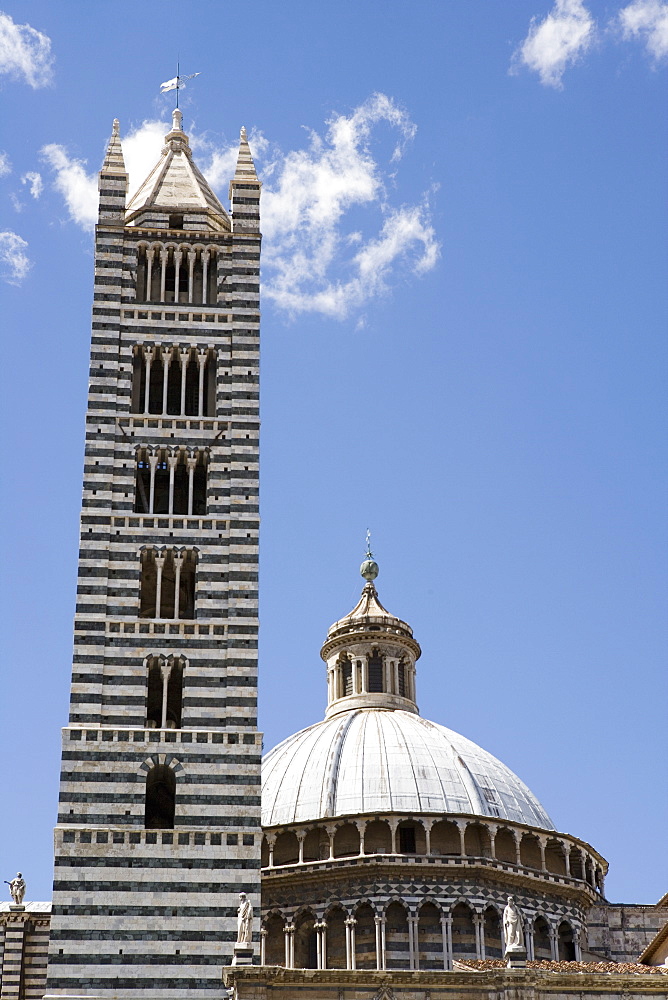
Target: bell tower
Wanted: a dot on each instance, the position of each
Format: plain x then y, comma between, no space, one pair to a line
159,811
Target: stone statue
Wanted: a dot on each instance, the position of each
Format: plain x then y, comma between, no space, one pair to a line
244,920
17,887
512,926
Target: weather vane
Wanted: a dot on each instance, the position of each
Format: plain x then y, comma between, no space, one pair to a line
369,553
177,83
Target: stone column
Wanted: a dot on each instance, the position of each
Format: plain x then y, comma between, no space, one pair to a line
301,836
567,858
263,946
148,358
149,273
152,461
289,946
380,941
331,830
165,671
177,267
446,930
185,358
271,840
164,254
528,940
518,841
178,563
554,946
172,462
542,843
191,282
427,823
479,936
361,829
461,826
394,823
205,274
364,662
166,357
191,463
413,949
350,943
492,829
201,359
159,563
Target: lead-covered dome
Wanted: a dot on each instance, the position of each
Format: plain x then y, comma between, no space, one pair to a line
370,761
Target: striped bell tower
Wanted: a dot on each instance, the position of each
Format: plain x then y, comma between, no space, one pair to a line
159,811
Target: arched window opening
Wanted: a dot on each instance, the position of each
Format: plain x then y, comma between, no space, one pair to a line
492,931
316,845
140,285
154,694
365,937
192,386
463,931
170,279
160,798
566,942
542,949
375,672
430,937
554,858
407,840
445,839
274,948
530,852
212,279
148,585
401,673
396,937
155,384
576,865
167,588
174,696
199,486
504,847
142,483
477,841
346,841
153,275
181,485
377,838
336,939
286,849
197,280
138,380
173,402
306,945
161,487
346,668
210,386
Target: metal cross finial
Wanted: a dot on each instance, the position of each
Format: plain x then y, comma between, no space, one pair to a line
369,553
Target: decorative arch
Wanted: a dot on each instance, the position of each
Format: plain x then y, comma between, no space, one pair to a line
274,944
305,939
397,946
463,931
492,932
335,917
160,791
429,936
365,935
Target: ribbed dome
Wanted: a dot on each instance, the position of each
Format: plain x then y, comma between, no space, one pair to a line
379,761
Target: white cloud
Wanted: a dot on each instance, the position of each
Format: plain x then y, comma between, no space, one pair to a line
315,260
25,52
557,41
78,188
35,181
647,20
14,261
5,164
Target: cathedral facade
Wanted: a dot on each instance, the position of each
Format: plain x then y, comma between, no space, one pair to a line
383,853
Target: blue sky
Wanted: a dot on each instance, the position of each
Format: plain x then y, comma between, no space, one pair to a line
464,322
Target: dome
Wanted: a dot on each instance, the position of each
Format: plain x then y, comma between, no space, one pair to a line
371,760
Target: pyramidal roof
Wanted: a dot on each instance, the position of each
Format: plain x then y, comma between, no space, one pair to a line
175,183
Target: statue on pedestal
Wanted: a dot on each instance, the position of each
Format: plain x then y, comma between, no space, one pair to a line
244,921
512,926
17,887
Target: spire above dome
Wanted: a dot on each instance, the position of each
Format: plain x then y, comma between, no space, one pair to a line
370,654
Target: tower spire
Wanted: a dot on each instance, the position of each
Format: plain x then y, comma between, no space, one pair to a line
245,189
113,180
